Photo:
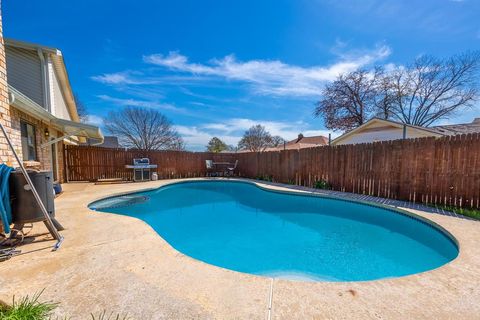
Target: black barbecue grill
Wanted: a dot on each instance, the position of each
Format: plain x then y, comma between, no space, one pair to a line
141,169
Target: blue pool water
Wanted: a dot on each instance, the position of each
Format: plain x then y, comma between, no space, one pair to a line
239,226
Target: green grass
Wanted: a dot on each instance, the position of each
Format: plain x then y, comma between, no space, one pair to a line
468,212
111,316
31,308
27,308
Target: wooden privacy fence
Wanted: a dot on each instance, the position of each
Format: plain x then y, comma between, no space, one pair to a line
86,163
428,170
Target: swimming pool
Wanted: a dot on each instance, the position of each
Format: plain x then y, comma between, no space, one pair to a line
240,226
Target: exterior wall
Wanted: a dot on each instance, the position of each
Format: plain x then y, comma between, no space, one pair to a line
376,134
5,154
44,155
25,73
59,107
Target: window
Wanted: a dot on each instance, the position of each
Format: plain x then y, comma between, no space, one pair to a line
29,147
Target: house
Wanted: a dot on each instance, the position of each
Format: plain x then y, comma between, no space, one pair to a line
301,142
377,129
40,112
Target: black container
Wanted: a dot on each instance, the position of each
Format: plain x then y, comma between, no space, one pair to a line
25,208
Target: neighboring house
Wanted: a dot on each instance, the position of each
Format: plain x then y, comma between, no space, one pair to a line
301,142
377,129
43,114
108,142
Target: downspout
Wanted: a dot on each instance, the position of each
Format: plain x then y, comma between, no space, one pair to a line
45,80
404,131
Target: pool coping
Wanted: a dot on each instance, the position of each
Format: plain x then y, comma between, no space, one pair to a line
165,284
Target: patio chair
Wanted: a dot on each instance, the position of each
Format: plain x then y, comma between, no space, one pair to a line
210,167
231,170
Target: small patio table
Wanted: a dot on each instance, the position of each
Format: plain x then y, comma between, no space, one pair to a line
225,164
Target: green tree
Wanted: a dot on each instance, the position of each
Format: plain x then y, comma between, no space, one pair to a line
216,145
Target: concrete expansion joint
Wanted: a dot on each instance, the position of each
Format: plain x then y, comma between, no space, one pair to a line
270,300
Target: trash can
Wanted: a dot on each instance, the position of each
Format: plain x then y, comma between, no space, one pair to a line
25,208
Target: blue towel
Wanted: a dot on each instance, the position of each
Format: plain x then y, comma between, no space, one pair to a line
5,208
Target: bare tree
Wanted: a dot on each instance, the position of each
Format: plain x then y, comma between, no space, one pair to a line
432,89
277,141
384,95
419,94
257,139
143,128
349,101
81,109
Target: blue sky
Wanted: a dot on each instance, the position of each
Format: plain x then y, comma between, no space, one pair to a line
217,67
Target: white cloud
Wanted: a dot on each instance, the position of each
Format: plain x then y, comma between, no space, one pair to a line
94,120
231,131
197,139
140,103
271,76
287,130
125,77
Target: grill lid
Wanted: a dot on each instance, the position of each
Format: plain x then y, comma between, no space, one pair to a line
141,161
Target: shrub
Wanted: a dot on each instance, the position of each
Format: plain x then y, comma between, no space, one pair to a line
322,184
264,178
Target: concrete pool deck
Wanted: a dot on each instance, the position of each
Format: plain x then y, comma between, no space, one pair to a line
118,263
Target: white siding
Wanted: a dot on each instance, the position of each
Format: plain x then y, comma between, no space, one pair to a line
59,106
373,136
24,72
383,135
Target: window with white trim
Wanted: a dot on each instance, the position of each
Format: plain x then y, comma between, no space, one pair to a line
29,146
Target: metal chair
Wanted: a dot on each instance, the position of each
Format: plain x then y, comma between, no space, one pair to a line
231,170
210,167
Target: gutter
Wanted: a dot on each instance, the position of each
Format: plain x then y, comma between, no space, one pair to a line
60,70
71,128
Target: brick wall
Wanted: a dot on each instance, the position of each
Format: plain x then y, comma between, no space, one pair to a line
5,154
44,154
11,117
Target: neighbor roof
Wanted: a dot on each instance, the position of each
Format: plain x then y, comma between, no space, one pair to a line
462,128
109,142
301,142
316,140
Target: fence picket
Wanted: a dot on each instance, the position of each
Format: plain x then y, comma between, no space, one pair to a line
444,171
